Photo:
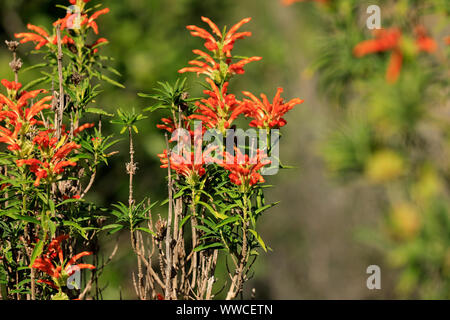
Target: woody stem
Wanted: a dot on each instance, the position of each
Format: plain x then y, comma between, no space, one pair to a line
131,169
59,111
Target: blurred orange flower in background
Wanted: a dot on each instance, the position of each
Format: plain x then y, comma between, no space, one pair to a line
390,40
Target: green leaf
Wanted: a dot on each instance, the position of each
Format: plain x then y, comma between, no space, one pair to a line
113,82
60,296
266,207
52,206
76,226
68,201
98,111
203,228
38,65
145,95
214,212
259,239
111,226
23,218
184,220
34,82
146,230
51,227
208,246
156,107
228,220
37,251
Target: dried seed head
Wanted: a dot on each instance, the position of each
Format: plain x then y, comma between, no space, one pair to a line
76,78
16,65
185,95
12,45
161,227
72,48
131,168
183,105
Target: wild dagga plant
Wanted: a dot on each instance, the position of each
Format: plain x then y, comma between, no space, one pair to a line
394,85
216,194
49,158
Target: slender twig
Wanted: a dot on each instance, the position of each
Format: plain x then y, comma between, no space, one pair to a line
91,281
60,109
168,272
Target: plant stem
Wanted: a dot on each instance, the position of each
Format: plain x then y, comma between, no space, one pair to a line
60,110
131,169
168,286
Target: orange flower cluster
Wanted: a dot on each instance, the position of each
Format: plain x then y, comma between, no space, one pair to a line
390,40
187,167
42,38
220,109
244,171
16,116
219,66
52,167
189,164
59,272
87,22
20,123
265,114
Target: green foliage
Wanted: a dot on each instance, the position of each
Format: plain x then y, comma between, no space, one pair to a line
128,120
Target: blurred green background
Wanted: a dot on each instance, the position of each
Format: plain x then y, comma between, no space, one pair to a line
316,253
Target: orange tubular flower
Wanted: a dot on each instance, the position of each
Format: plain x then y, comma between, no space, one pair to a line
266,115
90,22
221,47
82,128
75,1
167,125
10,137
15,110
96,43
389,40
208,68
423,41
289,2
65,150
19,119
385,40
244,171
41,36
44,141
11,85
59,272
238,67
184,166
170,127
220,109
49,169
190,166
87,21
